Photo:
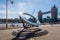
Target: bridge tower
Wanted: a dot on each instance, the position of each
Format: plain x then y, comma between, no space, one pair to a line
54,11
40,16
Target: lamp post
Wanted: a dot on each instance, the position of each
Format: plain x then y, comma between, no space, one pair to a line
7,12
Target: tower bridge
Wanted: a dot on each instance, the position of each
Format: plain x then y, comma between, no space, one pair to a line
53,11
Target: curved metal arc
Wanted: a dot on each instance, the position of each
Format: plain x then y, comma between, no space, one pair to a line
29,15
27,21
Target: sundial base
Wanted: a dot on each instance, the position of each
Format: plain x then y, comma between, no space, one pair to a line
27,33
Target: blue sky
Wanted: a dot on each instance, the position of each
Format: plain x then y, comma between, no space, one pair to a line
27,6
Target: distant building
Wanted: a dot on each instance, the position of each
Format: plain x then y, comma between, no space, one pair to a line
16,20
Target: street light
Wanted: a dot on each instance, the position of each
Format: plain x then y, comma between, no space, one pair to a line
7,12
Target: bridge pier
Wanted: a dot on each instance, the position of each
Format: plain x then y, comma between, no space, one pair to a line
40,16
54,11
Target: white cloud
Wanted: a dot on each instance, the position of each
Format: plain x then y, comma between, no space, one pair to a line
2,11
2,6
23,6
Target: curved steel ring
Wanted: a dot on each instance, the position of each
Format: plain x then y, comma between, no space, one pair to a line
27,21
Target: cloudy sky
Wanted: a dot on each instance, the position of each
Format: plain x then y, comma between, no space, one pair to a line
28,6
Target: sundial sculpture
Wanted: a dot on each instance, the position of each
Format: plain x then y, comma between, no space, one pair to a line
27,32
32,21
